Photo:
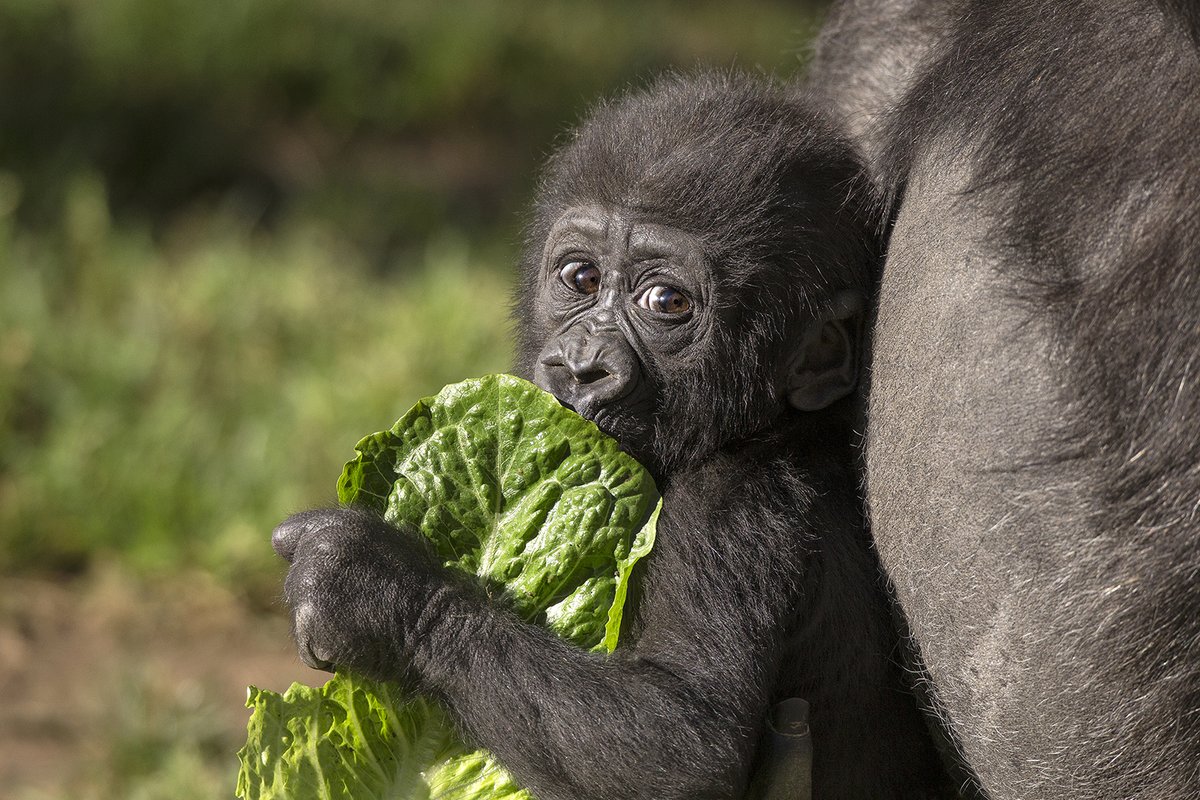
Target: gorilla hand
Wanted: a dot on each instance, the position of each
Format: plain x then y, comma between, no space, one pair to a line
357,588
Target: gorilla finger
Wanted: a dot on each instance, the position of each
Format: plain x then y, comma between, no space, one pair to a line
288,534
313,657
311,652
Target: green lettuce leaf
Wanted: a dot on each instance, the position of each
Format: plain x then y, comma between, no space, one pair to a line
529,497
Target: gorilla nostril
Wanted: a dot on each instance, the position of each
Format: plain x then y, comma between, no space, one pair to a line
590,374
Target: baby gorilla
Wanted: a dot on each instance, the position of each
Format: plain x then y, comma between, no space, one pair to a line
694,280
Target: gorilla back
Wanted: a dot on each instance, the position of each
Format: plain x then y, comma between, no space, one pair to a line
694,279
1034,426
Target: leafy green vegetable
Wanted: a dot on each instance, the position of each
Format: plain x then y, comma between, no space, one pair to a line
529,497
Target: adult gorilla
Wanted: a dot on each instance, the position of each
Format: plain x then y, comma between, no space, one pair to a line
1033,456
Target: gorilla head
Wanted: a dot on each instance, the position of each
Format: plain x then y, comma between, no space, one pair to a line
696,266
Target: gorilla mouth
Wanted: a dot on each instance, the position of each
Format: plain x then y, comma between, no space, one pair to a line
611,414
602,417
627,423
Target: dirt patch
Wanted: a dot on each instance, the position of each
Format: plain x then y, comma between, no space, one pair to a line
107,684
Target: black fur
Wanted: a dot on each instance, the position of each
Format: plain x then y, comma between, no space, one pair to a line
762,584
1043,165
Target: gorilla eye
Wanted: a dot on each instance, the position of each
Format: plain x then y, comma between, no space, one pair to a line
582,276
665,300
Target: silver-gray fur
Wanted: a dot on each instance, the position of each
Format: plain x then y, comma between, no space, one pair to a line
1033,450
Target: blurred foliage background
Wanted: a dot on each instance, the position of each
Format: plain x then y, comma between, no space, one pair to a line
235,236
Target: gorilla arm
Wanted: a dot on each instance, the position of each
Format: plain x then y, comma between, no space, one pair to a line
673,714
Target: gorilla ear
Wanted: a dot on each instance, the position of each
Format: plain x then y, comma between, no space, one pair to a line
823,367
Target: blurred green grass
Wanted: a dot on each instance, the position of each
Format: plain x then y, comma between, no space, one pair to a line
165,403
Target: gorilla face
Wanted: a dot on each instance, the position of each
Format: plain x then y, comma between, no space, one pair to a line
666,351
625,304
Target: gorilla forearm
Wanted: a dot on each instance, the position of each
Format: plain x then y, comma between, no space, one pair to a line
574,724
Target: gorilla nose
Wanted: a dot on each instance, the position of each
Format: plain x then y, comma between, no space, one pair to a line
598,369
588,371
